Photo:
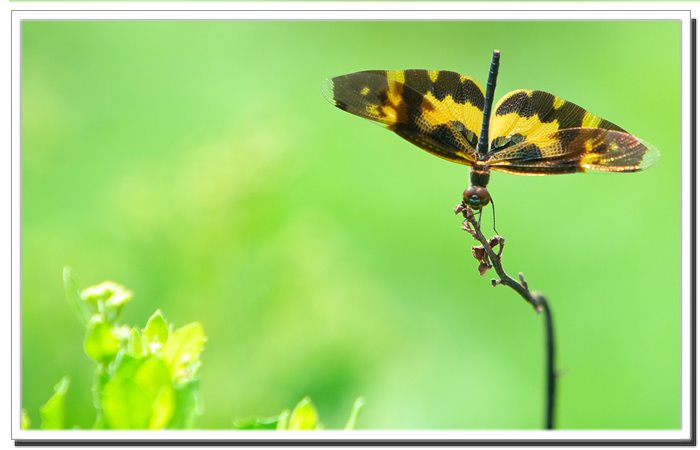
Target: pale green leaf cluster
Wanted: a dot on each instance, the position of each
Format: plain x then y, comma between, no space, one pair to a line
144,378
147,378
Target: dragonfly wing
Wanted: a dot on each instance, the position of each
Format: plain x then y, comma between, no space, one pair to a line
523,115
575,150
439,111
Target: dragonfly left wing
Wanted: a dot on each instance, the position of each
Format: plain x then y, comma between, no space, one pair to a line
439,111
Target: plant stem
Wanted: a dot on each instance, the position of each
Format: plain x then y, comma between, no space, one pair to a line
537,300
551,370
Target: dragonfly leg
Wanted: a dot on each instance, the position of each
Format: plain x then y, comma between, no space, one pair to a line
493,208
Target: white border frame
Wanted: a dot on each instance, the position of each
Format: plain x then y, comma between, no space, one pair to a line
353,11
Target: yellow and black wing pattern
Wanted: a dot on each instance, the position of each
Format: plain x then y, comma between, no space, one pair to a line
537,133
439,111
530,132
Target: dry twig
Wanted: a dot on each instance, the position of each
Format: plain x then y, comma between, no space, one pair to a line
488,254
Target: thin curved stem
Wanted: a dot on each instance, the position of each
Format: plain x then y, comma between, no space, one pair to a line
537,300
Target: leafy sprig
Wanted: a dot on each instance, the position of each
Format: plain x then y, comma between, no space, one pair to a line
148,378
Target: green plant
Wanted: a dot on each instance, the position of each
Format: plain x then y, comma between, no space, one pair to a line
147,378
303,417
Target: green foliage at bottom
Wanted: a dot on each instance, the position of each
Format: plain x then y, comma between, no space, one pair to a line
304,416
148,378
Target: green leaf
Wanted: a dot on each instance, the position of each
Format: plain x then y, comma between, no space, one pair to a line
163,407
261,423
73,296
135,344
156,332
355,413
125,406
101,343
187,405
154,378
304,416
25,423
140,395
182,351
284,420
54,410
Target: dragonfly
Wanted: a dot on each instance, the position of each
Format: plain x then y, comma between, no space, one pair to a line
530,132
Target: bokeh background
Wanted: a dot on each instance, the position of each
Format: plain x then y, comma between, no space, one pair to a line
198,164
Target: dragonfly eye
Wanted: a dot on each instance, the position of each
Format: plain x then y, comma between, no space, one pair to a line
483,194
476,197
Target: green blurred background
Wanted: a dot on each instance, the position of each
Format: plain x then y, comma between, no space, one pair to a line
198,164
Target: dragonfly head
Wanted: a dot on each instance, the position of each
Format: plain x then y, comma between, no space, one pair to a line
476,197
